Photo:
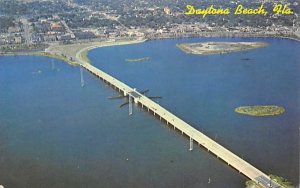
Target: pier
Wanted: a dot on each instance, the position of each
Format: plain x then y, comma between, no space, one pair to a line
194,135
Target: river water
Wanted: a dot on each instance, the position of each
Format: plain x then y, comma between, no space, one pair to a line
54,133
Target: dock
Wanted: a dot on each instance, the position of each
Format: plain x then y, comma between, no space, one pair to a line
194,135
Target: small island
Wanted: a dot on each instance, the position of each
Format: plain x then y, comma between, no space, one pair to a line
283,182
138,59
268,110
207,48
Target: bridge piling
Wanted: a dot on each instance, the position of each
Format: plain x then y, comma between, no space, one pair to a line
81,77
191,144
130,105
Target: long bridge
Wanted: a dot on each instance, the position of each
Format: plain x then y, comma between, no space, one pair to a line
194,135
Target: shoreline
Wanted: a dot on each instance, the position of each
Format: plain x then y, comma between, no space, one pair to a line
74,54
81,55
84,52
210,48
260,110
223,35
84,47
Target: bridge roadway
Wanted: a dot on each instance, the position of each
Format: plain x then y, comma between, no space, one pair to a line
195,136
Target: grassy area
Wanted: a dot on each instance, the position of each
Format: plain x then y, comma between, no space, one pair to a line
22,48
269,110
184,48
45,54
207,48
282,181
57,56
68,52
84,56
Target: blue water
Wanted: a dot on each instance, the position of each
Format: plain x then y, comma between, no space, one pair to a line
53,133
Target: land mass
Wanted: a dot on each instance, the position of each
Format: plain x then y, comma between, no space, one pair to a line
76,52
138,59
206,48
268,110
283,182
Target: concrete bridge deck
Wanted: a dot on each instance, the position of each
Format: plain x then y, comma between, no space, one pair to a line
212,146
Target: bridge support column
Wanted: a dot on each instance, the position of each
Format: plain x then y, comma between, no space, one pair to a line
130,105
81,77
191,144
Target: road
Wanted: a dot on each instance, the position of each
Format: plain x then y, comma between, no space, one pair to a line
27,32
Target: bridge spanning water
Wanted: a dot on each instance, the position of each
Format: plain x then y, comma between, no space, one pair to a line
194,135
